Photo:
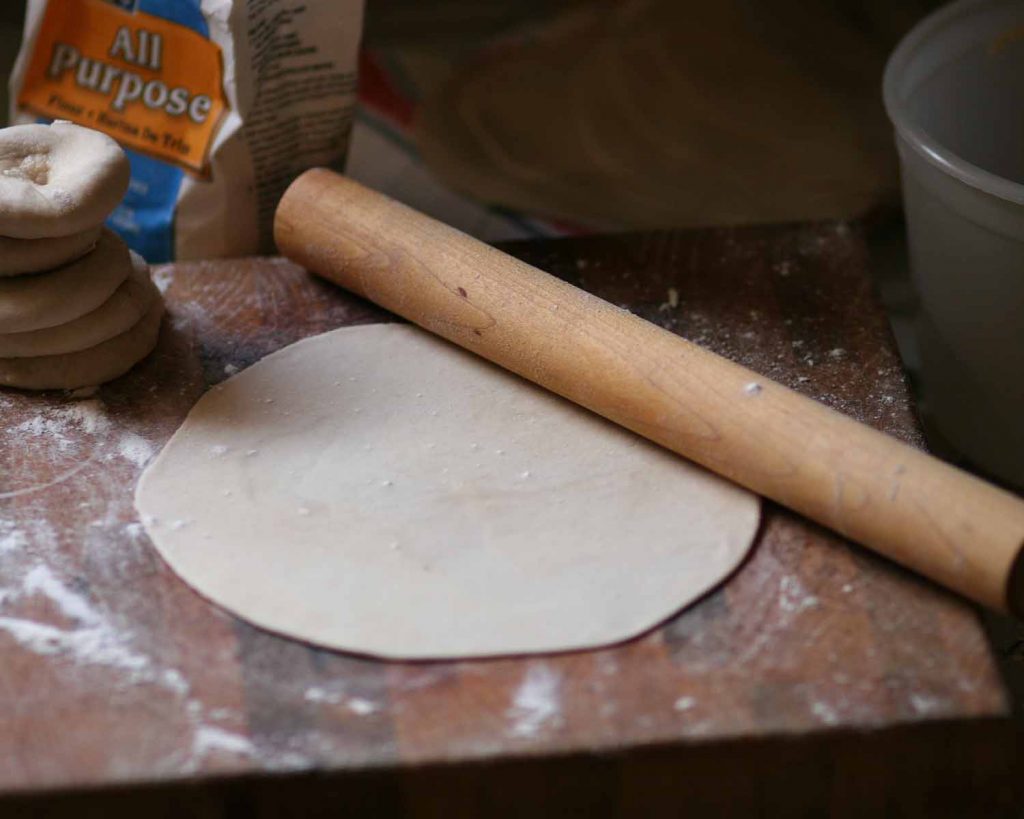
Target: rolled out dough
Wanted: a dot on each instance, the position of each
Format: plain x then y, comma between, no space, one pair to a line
377,490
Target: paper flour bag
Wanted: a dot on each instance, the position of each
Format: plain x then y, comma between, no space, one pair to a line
219,104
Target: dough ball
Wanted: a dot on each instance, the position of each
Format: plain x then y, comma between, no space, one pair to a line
86,368
67,293
20,256
117,314
58,179
378,490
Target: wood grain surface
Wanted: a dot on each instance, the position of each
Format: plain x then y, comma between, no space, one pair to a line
114,673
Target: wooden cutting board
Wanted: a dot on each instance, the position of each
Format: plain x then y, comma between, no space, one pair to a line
114,673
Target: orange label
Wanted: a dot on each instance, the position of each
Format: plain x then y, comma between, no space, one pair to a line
151,84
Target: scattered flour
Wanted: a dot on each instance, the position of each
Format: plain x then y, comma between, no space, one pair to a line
40,580
162,277
43,612
209,739
12,539
671,301
91,640
134,448
316,694
90,415
684,703
33,426
925,705
174,680
536,702
357,705
59,424
825,713
793,597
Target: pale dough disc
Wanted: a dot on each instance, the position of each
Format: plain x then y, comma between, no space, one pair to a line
657,113
58,179
378,490
116,315
58,296
86,368
20,256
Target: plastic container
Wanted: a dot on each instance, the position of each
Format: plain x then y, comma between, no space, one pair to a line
954,90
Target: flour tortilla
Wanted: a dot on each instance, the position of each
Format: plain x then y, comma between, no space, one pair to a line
117,314
378,490
86,368
62,295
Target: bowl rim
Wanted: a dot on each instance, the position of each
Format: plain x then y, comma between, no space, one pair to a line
916,137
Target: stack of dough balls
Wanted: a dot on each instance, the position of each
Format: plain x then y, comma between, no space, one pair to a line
77,307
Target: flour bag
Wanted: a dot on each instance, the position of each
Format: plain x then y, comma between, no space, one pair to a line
220,104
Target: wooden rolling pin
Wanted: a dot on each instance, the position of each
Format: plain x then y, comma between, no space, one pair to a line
909,506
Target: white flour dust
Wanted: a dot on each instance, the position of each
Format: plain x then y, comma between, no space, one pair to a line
60,425
12,538
67,427
357,705
77,629
209,739
317,694
793,597
134,448
82,633
825,712
162,277
88,638
926,705
537,702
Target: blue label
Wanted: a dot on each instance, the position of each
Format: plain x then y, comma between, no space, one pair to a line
145,217
183,12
